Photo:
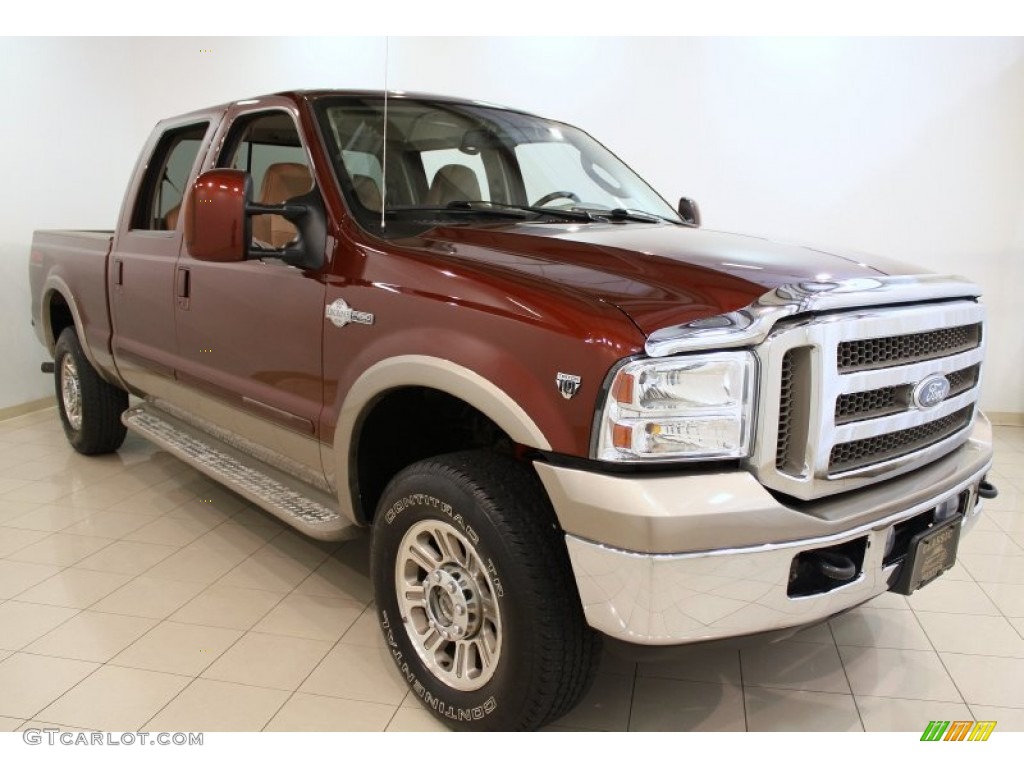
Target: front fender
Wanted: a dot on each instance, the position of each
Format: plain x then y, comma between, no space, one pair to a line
421,371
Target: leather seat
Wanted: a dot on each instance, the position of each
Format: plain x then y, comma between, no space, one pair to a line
171,217
281,182
367,191
453,182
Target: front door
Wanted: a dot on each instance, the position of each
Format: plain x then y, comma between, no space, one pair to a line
249,333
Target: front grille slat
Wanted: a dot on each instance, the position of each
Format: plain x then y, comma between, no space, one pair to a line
890,351
886,401
873,404
873,450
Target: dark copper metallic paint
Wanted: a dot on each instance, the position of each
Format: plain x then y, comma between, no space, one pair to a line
516,303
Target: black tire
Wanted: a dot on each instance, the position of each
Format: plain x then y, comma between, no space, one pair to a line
523,587
90,408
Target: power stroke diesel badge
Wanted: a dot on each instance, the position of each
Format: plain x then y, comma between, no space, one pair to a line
568,384
341,314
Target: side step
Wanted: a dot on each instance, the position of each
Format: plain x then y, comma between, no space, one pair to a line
308,509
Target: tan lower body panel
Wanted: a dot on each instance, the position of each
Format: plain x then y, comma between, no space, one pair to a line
304,507
279,447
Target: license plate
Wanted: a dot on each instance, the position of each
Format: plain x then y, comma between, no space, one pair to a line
931,553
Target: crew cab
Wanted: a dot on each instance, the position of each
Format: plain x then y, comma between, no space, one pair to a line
562,410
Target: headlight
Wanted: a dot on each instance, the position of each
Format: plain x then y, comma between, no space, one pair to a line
682,408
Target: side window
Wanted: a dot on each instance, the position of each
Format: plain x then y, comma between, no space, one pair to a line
158,204
268,147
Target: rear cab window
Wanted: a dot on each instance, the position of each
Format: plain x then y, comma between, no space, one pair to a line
158,202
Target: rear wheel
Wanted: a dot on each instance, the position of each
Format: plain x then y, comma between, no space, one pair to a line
475,594
90,408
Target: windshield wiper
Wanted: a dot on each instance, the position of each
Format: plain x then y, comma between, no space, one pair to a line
457,207
631,214
506,210
573,214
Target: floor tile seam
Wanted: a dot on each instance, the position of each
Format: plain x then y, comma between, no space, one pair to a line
846,675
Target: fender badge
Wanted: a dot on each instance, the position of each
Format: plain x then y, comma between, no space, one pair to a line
341,314
568,384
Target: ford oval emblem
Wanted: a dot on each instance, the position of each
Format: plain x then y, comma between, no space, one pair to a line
931,391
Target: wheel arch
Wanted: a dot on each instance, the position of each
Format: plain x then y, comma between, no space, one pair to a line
422,373
58,307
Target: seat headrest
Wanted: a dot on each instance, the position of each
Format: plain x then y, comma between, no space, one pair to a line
283,181
453,182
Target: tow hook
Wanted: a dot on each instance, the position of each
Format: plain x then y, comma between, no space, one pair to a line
986,490
833,565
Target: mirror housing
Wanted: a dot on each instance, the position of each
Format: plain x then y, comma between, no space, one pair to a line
216,225
218,221
689,211
307,214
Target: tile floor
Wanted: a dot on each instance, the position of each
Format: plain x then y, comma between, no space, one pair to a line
135,594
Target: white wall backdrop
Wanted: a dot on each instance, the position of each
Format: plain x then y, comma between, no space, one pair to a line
912,148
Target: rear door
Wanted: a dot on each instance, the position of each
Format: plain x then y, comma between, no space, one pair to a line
141,273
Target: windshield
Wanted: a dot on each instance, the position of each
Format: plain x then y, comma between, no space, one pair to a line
449,162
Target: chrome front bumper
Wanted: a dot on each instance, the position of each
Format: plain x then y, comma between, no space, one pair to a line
657,598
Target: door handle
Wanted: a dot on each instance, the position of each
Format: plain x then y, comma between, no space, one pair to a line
183,290
118,272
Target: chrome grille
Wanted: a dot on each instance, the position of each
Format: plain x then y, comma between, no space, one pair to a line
838,410
865,354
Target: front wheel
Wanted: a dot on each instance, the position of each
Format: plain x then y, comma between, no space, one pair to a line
90,408
475,594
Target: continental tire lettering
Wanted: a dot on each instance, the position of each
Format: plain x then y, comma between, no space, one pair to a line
498,589
388,632
426,500
444,708
458,713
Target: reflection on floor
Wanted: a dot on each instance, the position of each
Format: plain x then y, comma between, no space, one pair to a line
136,595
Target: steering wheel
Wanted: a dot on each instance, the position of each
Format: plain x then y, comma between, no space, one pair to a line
555,196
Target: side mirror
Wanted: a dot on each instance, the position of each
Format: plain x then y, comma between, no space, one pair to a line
689,211
218,221
216,227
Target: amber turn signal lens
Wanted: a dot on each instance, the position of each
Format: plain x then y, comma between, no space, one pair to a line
622,389
622,436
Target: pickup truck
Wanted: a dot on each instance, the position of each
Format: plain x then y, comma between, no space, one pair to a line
564,412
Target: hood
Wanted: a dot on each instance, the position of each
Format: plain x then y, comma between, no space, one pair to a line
659,275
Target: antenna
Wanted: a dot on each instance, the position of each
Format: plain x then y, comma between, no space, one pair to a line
384,165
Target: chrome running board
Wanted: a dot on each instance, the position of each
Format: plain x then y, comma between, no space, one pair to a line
306,508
